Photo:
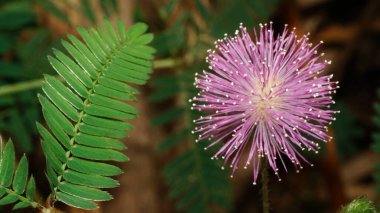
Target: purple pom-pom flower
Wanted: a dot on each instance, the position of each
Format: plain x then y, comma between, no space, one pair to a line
266,95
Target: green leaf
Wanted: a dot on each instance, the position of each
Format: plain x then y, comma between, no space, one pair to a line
102,38
87,167
8,199
52,143
134,70
21,176
77,86
133,59
51,111
117,85
102,132
116,94
113,104
51,159
31,188
51,176
57,130
75,201
2,191
110,31
100,142
20,205
84,192
139,52
106,123
121,29
107,112
123,77
86,52
98,154
15,190
167,116
60,102
92,44
91,180
144,39
82,60
7,164
135,31
85,112
74,68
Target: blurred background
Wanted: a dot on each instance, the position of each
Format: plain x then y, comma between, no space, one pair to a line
168,172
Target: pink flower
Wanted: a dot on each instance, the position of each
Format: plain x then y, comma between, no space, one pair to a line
266,96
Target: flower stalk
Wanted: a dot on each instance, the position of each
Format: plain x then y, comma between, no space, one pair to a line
265,187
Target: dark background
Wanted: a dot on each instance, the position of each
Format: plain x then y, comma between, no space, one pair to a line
184,30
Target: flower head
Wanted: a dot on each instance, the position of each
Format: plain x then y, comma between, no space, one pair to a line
266,95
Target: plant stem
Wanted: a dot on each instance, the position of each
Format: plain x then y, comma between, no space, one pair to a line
22,198
18,87
264,186
167,63
33,84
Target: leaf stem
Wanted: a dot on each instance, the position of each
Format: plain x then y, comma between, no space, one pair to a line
167,63
32,203
264,186
18,87
34,84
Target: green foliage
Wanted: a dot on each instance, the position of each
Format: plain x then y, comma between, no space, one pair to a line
346,140
19,12
250,13
173,39
195,181
15,186
359,205
23,49
84,114
53,9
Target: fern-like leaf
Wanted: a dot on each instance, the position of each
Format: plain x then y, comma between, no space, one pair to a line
15,186
86,113
195,181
